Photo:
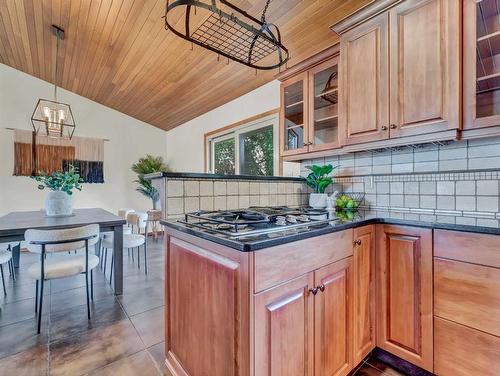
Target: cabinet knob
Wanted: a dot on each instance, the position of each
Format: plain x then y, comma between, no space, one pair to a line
393,126
357,242
384,127
321,287
313,291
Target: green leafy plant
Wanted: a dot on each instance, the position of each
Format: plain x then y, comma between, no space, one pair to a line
318,179
144,166
65,181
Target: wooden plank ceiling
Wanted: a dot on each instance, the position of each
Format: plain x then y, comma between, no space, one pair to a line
117,52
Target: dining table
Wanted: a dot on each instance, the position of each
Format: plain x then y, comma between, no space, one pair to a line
13,226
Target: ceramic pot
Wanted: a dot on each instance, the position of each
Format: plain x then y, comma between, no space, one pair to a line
318,200
58,204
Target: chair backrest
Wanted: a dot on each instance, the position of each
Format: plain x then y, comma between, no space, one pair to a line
138,219
61,235
123,213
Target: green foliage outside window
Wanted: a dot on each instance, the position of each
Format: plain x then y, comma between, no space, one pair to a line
257,152
224,157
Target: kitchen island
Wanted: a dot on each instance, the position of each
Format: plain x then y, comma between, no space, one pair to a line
318,302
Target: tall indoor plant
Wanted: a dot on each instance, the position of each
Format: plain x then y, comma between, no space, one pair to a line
144,166
59,202
319,180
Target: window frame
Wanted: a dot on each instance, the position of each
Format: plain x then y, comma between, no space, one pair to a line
235,133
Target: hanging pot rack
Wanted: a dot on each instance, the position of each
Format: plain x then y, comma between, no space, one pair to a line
237,36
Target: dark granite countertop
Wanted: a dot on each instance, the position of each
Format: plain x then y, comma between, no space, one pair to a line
196,175
262,242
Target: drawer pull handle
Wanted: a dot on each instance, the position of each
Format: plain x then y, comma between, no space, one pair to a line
314,290
357,242
321,287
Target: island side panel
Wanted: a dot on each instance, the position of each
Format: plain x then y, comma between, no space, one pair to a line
207,298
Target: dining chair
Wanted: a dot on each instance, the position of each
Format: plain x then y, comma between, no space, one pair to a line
122,213
138,221
60,263
6,258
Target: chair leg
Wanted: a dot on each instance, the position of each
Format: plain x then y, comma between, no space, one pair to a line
146,257
40,307
13,270
91,285
3,280
111,268
88,296
105,259
138,260
36,297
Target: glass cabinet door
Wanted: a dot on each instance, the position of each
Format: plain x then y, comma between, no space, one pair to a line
323,82
488,58
295,138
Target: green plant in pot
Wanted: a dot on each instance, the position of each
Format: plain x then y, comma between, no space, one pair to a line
319,180
59,201
148,165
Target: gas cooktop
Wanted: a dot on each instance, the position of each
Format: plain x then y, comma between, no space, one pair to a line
256,222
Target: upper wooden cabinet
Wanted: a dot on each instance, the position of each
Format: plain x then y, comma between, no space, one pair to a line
364,111
400,69
481,66
424,52
404,293
309,106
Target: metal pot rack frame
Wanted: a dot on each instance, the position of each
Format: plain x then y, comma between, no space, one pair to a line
229,36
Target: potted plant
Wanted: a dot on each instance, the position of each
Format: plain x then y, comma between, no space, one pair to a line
319,180
148,165
59,202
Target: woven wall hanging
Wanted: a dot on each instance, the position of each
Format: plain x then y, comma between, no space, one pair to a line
34,154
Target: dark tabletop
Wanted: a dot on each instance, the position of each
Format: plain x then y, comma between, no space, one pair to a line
16,223
261,242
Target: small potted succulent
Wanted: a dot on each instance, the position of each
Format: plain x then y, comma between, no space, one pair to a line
319,180
59,201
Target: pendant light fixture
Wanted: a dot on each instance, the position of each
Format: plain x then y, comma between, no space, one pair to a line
228,31
52,118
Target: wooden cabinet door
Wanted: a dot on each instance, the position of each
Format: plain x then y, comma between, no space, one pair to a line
363,292
481,70
425,75
364,81
333,319
294,116
284,338
404,293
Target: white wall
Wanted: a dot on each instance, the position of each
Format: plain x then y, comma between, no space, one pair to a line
185,143
129,140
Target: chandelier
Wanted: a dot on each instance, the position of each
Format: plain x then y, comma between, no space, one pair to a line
52,118
228,31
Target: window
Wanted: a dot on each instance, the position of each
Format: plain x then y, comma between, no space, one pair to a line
250,149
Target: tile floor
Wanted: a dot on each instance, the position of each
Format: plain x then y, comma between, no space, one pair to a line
124,336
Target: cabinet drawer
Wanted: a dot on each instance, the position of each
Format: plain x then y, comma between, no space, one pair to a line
467,294
467,246
284,262
462,351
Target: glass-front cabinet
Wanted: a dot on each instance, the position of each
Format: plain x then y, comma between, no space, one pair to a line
323,104
309,110
293,115
481,64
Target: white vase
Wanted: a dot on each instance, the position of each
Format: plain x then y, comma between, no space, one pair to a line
58,204
317,200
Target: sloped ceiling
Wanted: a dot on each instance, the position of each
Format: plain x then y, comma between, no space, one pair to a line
117,52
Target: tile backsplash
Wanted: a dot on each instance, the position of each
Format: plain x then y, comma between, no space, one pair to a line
189,195
456,182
